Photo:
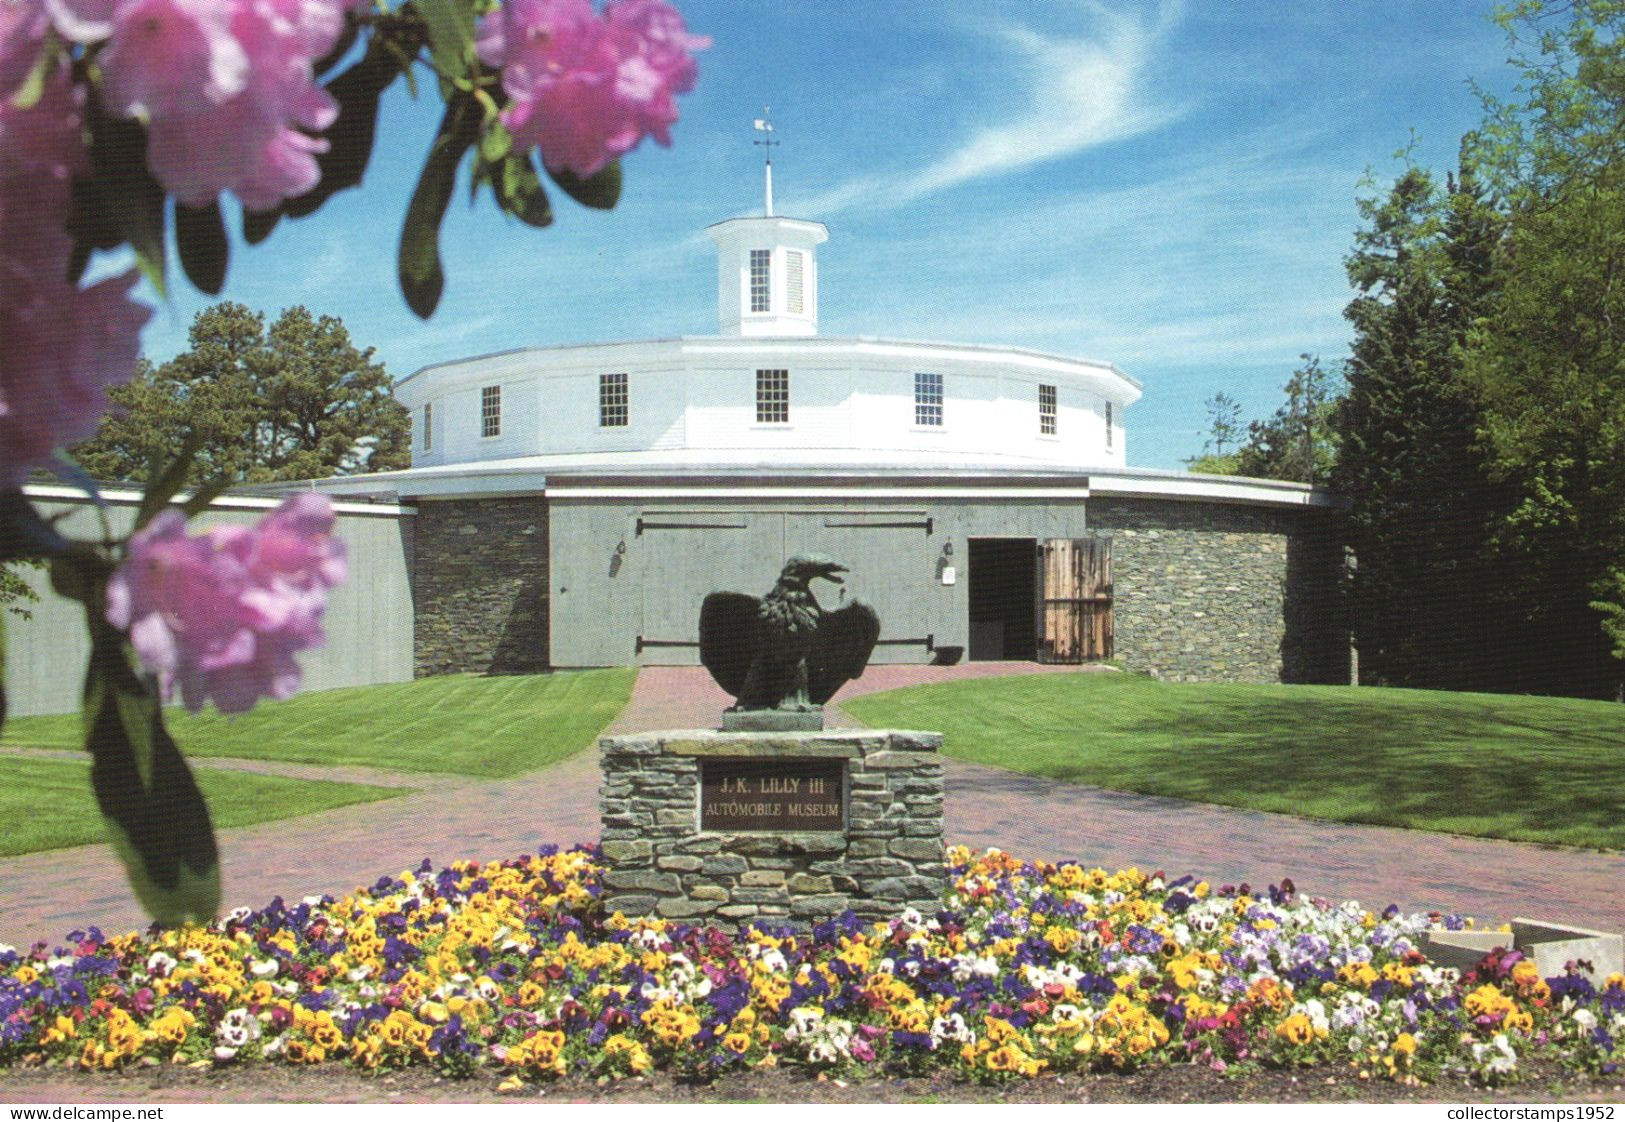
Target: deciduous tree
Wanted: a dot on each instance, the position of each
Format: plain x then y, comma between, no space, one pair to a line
1550,363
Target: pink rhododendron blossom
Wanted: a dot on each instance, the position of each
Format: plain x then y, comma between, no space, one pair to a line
224,87
222,614
62,345
586,89
236,147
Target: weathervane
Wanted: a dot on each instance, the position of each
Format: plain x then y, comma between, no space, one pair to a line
764,125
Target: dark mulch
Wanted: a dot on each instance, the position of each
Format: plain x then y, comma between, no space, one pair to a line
281,1083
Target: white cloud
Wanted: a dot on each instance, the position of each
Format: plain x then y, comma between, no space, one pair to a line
1075,93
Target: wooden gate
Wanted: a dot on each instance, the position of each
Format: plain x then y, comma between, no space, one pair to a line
1074,599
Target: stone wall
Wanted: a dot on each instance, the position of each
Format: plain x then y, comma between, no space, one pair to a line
1218,592
658,860
479,586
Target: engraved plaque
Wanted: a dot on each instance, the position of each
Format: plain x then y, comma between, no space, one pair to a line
789,795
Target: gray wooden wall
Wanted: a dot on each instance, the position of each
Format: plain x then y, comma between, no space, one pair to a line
368,621
623,568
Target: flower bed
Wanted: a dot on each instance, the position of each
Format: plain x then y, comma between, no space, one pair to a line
1028,968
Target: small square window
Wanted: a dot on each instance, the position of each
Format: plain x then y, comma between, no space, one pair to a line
761,263
428,427
612,401
1046,410
928,399
491,411
772,397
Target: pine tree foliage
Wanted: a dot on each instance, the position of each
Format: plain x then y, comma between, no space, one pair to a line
1297,442
295,401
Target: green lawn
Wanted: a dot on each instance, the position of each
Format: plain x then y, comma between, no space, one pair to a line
47,803
1526,768
460,724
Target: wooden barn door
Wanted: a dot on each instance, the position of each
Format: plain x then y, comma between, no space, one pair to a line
1074,599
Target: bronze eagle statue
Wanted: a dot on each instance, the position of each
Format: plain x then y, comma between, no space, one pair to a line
783,650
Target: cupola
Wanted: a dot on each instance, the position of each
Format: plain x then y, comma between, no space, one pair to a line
767,270
767,275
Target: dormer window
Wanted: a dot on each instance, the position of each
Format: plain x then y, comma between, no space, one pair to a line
491,411
612,401
772,397
1046,410
761,273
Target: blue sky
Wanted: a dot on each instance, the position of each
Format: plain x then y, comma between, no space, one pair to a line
1166,186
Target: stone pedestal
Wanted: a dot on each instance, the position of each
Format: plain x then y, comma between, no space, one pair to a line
773,720
787,828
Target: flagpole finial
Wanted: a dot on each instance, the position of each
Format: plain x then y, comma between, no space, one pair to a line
764,125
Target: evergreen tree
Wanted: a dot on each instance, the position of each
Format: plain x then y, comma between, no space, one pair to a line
1421,508
297,402
1297,443
1224,430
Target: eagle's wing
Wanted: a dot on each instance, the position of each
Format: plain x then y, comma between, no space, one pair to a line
730,637
840,649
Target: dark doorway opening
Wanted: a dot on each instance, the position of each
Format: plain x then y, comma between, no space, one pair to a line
1002,596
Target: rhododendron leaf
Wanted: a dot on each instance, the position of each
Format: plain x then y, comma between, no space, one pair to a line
23,533
198,501
258,224
519,190
70,472
419,265
164,481
155,814
451,35
407,59
125,191
351,136
200,235
600,191
91,225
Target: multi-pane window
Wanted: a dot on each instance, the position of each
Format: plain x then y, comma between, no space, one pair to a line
428,426
612,401
1108,424
1046,410
927,399
772,397
761,264
794,281
491,411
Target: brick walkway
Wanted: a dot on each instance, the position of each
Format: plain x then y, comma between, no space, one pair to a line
45,895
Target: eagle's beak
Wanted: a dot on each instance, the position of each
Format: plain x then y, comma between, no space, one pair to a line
829,573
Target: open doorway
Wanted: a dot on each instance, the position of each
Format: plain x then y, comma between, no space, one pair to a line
1003,597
